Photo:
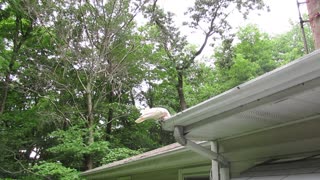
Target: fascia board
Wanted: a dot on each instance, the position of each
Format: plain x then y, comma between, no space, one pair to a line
137,166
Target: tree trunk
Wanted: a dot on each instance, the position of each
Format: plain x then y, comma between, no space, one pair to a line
109,125
314,17
4,93
149,97
7,81
16,48
88,158
183,104
110,117
132,98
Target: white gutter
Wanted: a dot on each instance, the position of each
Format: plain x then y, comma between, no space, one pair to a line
258,91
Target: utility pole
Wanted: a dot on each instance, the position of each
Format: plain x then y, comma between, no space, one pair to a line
313,7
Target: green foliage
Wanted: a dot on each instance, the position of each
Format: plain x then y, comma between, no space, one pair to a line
201,84
289,46
224,54
71,142
4,64
118,154
257,47
255,53
54,170
71,148
241,71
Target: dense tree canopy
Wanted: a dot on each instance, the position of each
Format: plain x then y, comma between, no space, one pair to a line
74,75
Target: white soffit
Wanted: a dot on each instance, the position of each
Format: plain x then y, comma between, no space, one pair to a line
306,169
287,94
292,109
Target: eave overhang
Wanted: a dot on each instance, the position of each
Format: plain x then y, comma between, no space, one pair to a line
286,95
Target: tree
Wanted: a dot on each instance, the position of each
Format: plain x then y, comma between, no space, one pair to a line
250,57
289,45
95,45
75,88
256,53
257,47
224,54
210,17
201,83
16,27
20,123
314,19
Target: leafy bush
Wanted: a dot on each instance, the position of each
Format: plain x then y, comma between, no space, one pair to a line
55,170
118,154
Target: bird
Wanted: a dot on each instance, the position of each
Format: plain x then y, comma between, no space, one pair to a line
156,113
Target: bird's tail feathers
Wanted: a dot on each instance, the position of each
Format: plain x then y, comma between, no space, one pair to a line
140,120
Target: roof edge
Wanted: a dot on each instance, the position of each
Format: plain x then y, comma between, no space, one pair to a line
272,82
141,158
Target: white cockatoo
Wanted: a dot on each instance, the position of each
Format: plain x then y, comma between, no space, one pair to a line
156,113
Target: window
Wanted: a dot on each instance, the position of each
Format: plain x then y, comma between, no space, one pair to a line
198,178
196,173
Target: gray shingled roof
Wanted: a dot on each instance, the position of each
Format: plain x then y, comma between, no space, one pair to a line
147,155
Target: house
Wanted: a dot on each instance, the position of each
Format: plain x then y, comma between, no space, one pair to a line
267,128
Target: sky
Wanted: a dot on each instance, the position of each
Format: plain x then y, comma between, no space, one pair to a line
274,22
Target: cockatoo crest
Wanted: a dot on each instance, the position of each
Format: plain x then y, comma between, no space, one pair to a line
153,113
